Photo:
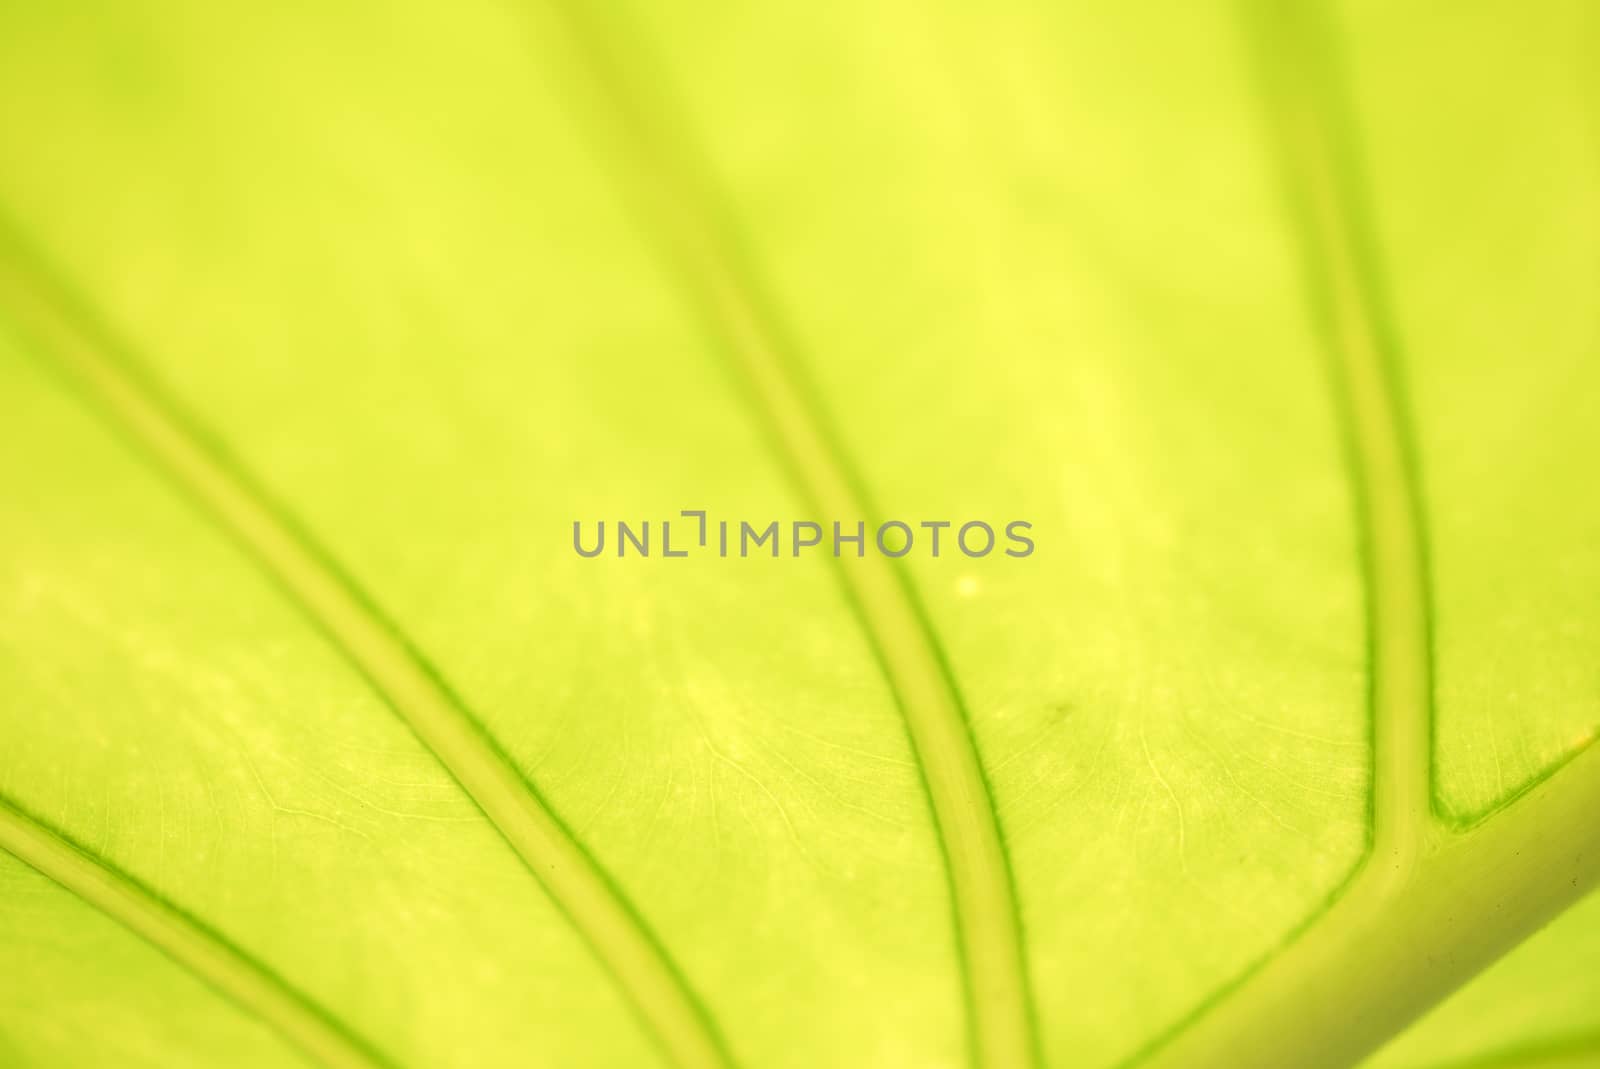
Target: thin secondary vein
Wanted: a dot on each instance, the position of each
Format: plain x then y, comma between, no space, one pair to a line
683,214
246,982
80,345
1317,154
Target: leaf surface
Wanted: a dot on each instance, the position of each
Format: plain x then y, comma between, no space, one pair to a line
323,326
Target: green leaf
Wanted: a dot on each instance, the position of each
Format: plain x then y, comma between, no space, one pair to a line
1536,1008
321,325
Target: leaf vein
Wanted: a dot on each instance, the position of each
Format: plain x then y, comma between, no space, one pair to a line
681,212
186,940
118,389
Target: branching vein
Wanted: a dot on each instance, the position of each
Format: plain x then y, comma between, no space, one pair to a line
1421,912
